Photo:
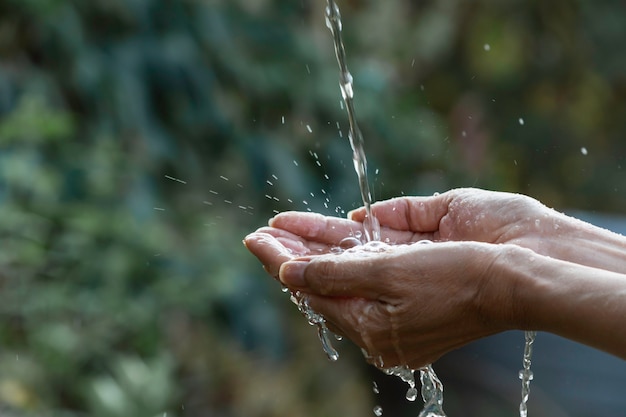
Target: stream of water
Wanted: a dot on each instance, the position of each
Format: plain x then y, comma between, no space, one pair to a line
432,388
333,21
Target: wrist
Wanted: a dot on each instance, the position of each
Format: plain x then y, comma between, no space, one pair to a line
569,239
510,287
497,298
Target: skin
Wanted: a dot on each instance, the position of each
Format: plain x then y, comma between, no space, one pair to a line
499,261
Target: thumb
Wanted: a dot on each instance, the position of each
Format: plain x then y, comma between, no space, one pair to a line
333,276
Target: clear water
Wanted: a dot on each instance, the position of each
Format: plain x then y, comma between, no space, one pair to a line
333,21
432,388
526,375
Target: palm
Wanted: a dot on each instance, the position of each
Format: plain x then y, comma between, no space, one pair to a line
458,215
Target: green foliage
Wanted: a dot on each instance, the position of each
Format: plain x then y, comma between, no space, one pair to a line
141,140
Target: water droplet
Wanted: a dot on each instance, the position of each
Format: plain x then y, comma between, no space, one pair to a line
527,375
378,411
375,388
521,121
308,127
349,242
583,150
411,394
487,47
346,88
175,179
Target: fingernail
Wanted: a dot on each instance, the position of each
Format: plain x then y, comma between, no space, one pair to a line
292,274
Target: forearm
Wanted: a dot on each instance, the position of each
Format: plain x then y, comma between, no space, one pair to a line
572,240
574,301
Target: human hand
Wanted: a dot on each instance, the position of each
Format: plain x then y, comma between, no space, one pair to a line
495,217
466,214
404,304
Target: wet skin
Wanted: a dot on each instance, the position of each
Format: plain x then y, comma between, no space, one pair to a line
499,261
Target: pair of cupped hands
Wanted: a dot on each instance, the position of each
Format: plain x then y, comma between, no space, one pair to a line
407,303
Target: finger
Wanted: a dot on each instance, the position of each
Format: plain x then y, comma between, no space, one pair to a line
268,250
332,230
316,227
350,274
296,244
417,214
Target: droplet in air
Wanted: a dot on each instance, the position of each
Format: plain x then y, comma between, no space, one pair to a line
378,411
526,374
487,47
583,150
375,388
411,394
308,127
175,179
521,121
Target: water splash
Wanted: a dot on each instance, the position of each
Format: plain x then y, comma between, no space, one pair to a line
434,388
432,393
407,375
316,319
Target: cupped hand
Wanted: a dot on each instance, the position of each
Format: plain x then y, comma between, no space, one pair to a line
470,214
403,304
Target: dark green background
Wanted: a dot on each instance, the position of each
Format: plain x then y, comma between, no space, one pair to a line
141,140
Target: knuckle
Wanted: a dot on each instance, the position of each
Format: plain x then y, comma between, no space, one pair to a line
324,275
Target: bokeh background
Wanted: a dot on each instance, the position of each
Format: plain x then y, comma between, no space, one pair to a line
141,140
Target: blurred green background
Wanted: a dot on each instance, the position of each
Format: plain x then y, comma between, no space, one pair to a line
141,140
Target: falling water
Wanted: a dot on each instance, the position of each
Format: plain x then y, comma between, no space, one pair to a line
432,388
333,21
526,375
